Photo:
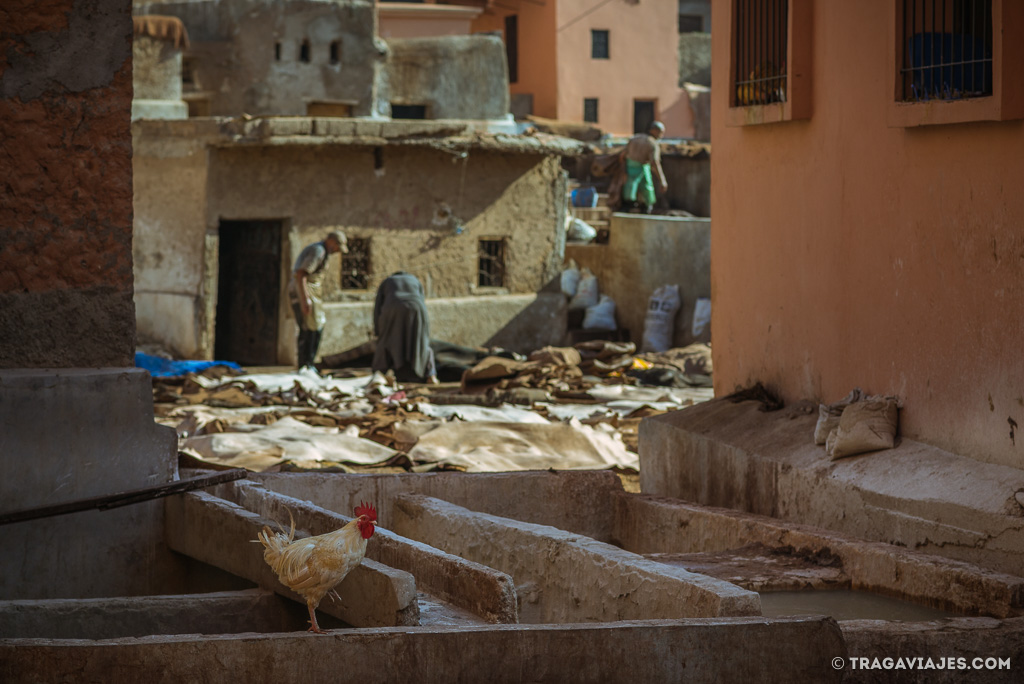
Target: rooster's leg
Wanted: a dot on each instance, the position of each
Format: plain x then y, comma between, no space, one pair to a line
313,626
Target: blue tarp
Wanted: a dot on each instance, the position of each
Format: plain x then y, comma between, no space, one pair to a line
161,368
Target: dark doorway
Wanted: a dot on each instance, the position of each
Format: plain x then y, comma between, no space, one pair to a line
248,292
643,115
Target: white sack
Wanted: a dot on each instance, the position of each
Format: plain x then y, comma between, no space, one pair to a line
601,316
659,323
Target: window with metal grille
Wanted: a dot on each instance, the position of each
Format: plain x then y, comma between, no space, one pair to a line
945,50
491,263
759,52
355,264
590,109
599,48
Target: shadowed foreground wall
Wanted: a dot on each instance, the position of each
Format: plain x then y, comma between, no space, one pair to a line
65,184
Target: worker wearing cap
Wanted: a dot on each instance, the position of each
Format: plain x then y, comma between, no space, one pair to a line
305,295
643,157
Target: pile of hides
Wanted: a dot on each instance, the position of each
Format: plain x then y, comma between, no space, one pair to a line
560,407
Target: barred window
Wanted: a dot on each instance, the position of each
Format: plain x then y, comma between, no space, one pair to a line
590,109
759,52
945,50
355,265
491,263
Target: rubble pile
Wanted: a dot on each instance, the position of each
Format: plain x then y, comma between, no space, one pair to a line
561,407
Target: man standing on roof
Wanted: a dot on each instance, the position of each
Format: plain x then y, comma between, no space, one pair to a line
306,297
642,158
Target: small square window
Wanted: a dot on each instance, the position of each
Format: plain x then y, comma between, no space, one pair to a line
691,23
590,109
408,111
355,264
491,272
599,48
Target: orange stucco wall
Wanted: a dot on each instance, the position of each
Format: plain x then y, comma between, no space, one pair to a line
643,64
538,50
420,20
847,253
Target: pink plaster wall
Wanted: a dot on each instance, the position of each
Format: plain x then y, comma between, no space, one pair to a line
848,253
643,63
556,67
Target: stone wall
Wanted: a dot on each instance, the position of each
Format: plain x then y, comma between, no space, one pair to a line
65,179
421,209
456,77
248,55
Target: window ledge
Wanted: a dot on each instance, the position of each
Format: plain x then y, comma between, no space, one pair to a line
1007,100
937,112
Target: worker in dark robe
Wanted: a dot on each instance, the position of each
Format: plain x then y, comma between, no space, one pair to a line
403,330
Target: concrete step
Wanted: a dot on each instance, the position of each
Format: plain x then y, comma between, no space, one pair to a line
733,455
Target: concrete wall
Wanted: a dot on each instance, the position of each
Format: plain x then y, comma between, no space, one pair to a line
494,195
777,650
689,182
642,254
850,253
170,244
65,170
456,77
519,322
74,434
233,43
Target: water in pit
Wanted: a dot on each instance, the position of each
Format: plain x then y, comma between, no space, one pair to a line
846,604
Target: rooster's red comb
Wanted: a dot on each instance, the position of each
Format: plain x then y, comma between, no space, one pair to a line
366,509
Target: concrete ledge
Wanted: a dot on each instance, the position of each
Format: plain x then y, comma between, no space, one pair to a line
648,525
570,500
755,650
113,618
735,456
565,577
221,533
485,592
967,638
